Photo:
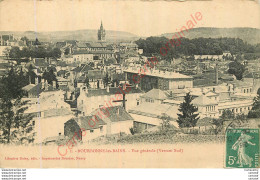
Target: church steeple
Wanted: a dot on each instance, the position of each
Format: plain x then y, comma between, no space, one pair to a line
101,26
101,33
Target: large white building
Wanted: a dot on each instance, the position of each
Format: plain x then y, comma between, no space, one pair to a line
50,113
153,78
211,101
91,99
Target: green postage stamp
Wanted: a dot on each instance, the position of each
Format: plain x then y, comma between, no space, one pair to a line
242,148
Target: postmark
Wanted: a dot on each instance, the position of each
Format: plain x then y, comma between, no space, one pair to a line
242,148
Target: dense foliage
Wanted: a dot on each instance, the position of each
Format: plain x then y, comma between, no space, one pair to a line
188,116
16,126
237,69
33,52
255,111
198,46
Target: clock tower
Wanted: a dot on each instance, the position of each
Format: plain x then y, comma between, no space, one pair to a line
101,33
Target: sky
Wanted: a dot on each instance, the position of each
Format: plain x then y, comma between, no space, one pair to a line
137,17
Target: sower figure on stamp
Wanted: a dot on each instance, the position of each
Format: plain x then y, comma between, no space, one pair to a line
240,145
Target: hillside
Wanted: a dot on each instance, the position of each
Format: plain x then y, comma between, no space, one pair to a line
80,35
250,35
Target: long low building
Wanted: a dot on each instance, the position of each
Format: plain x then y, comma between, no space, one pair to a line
85,56
153,78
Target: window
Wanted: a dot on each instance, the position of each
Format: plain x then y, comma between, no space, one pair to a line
39,114
59,134
240,109
91,131
101,128
248,108
137,103
33,123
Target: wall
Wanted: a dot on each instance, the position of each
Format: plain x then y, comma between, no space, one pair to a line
123,126
88,135
49,127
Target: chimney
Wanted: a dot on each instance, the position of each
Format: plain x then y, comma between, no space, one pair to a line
107,88
67,95
216,74
46,85
198,67
81,90
54,84
36,80
73,97
124,105
42,82
117,110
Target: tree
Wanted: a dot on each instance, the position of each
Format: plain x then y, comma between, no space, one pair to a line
106,80
31,76
188,116
165,125
255,111
110,61
67,51
37,42
26,40
15,124
56,52
227,115
219,125
237,69
6,53
49,77
15,52
25,52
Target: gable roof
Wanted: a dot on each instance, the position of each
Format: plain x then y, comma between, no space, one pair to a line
112,91
37,89
116,114
155,94
84,122
28,87
40,62
96,45
83,67
203,100
155,110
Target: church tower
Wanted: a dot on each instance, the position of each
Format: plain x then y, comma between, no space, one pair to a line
101,33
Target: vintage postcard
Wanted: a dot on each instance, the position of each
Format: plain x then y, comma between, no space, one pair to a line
129,84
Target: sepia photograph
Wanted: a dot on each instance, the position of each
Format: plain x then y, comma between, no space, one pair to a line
129,84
